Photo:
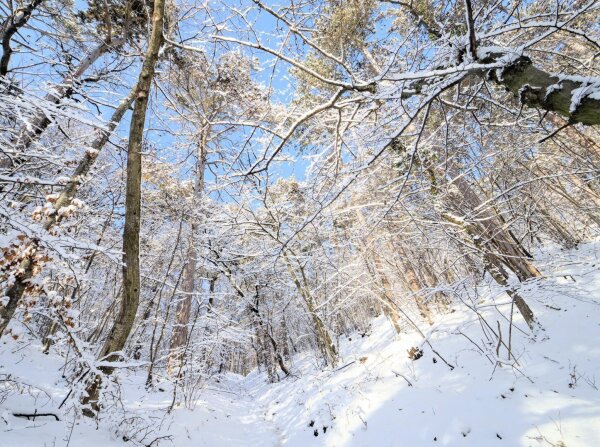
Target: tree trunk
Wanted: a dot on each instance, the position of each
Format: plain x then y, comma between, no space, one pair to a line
564,235
533,87
131,244
16,290
493,232
378,273
413,285
536,88
267,351
184,306
386,291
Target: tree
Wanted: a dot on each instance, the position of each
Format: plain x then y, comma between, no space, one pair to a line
119,333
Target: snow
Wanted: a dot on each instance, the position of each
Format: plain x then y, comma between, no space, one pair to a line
551,89
591,90
376,396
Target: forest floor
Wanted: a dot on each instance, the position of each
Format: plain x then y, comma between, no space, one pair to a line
376,396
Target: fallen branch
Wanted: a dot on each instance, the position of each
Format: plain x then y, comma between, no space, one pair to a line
35,414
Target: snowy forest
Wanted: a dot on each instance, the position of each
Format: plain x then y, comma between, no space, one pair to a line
299,222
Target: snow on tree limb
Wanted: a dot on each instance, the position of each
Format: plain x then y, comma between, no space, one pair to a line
574,97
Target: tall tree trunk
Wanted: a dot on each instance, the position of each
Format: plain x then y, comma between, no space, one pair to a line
184,305
267,350
564,235
413,284
483,220
589,205
378,273
131,243
386,290
588,193
155,341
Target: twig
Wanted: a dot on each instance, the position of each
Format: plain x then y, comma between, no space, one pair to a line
401,375
342,367
499,340
510,326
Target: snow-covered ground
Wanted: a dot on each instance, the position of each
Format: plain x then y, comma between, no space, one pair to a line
376,396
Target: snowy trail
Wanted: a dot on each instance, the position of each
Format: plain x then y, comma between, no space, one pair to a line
225,419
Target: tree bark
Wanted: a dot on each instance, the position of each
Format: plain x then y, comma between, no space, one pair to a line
491,230
323,338
133,196
563,234
386,292
267,351
67,195
16,290
413,284
536,88
379,275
